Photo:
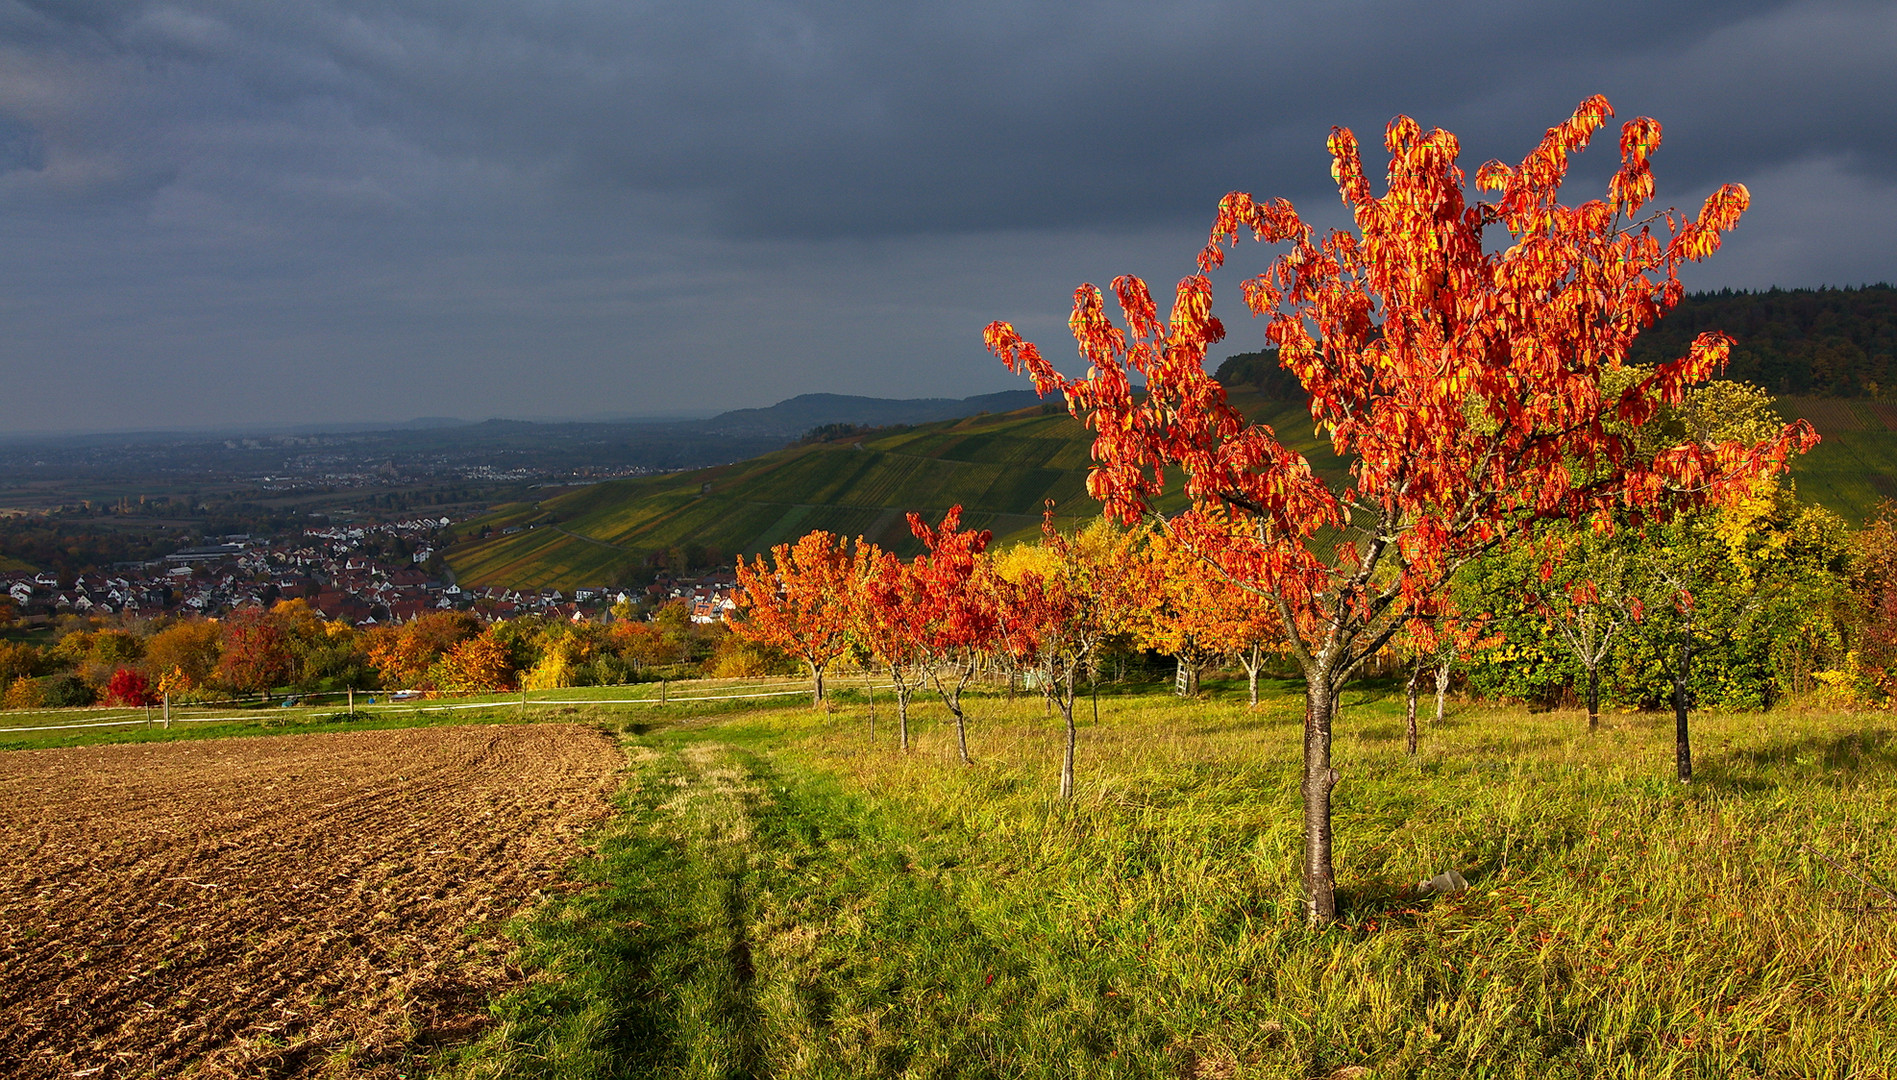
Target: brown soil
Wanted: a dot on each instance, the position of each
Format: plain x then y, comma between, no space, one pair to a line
301,905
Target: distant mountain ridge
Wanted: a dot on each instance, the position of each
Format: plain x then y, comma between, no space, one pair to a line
426,445
794,416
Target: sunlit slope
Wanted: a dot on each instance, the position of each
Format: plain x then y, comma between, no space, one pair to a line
1854,467
1000,468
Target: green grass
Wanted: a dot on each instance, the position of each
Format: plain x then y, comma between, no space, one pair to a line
781,897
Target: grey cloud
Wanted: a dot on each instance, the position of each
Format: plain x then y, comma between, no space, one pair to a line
841,119
392,207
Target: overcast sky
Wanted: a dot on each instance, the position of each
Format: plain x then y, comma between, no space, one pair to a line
218,212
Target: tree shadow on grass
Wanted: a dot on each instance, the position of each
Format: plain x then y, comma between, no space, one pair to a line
1835,759
1371,906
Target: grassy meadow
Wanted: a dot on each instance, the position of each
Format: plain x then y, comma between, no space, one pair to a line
785,896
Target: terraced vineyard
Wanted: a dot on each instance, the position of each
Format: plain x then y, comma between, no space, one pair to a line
1000,468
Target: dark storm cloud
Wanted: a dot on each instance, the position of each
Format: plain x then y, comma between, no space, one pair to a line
495,206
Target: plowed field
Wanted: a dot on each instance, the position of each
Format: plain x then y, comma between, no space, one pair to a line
289,906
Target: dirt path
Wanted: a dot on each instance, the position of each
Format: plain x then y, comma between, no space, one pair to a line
288,906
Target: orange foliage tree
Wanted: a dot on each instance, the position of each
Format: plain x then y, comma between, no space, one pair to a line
1436,642
1058,602
803,602
1200,618
402,655
958,610
892,609
1208,613
477,664
184,655
1462,377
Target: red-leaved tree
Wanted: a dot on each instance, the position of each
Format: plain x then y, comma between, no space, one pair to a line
803,602
256,652
892,611
1460,375
129,687
958,610
1056,603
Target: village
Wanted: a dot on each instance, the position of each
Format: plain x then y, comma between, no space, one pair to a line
346,574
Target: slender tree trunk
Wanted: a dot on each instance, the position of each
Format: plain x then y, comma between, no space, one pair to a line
1442,687
1067,760
1594,696
816,684
902,716
1682,746
1320,880
964,670
1409,703
955,706
961,727
1251,680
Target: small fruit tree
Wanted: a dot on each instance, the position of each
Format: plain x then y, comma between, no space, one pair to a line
803,602
892,609
958,610
1057,602
1461,375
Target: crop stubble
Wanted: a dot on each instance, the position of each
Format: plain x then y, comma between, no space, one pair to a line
302,905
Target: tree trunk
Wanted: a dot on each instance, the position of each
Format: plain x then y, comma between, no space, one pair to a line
816,684
1320,881
961,727
1067,761
1442,687
1682,747
902,716
1409,706
1251,679
964,670
1594,696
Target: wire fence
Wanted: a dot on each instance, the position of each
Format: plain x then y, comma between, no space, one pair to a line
397,702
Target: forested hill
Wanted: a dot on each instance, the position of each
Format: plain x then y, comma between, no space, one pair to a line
1798,342
1807,342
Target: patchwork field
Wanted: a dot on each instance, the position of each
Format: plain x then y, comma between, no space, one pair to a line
285,906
